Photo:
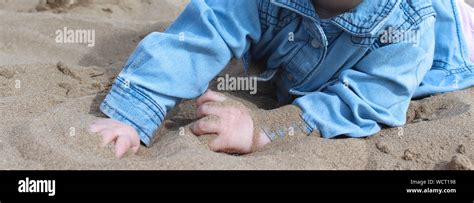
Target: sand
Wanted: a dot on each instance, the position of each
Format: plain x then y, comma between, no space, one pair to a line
50,92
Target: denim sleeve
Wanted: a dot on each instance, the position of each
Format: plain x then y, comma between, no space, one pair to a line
179,63
376,91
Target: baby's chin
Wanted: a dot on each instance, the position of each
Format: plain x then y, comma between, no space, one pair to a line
336,5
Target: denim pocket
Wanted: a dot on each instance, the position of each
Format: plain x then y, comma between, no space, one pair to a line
303,62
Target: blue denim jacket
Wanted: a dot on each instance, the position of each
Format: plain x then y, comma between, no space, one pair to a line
350,83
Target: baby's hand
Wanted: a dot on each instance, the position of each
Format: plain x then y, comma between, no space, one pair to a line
232,123
122,135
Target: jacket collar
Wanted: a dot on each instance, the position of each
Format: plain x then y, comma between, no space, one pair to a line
363,21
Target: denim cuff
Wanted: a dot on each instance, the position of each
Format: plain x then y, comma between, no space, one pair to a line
128,104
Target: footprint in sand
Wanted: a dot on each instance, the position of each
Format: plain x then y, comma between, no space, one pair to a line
66,70
54,79
6,83
84,81
59,6
6,73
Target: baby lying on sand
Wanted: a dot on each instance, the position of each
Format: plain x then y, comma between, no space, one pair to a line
339,68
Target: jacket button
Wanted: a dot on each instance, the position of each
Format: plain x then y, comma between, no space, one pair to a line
127,83
315,43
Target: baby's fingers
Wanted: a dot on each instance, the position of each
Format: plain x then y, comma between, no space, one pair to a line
135,149
210,96
219,144
122,145
100,124
108,135
96,127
